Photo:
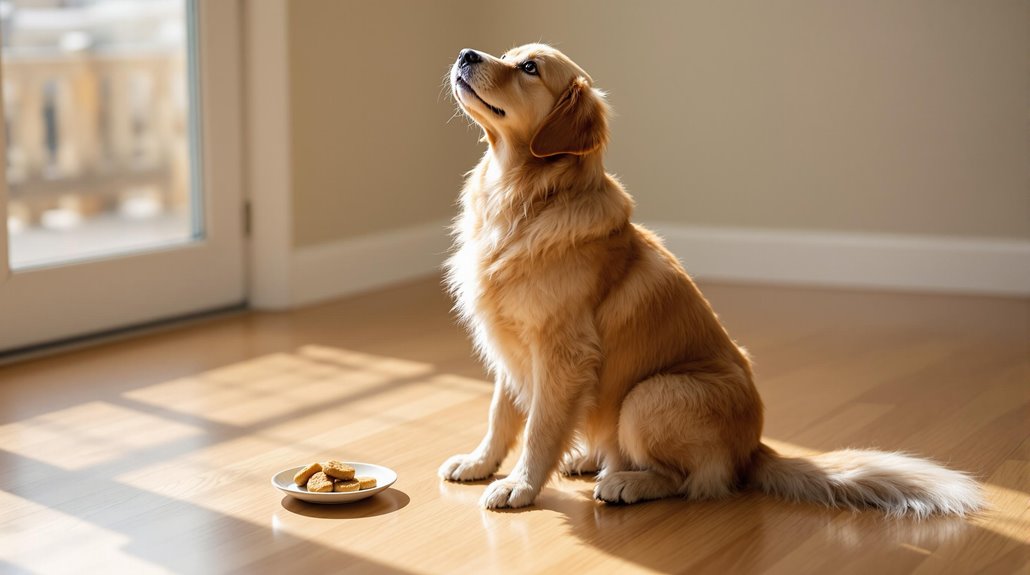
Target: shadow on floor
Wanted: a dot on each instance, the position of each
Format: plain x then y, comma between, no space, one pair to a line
382,503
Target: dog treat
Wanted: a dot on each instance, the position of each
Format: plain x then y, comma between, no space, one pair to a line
302,476
338,470
320,483
330,476
346,485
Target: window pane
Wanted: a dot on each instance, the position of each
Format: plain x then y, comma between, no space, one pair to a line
97,104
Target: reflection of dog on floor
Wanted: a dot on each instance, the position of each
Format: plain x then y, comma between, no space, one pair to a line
594,331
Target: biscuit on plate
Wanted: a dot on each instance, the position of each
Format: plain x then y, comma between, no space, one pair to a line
320,483
346,485
302,476
338,470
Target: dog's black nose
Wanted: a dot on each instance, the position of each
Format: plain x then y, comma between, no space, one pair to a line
468,56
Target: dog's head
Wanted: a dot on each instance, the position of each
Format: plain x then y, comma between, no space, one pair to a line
532,98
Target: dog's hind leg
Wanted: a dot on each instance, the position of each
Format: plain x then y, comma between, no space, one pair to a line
597,448
633,486
672,431
581,459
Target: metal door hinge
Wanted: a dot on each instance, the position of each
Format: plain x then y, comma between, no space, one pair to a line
246,219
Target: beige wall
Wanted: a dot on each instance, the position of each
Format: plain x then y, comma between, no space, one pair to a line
874,116
372,148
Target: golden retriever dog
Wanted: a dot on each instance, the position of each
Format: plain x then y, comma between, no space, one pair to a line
606,356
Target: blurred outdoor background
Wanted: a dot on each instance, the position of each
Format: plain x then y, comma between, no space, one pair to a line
95,99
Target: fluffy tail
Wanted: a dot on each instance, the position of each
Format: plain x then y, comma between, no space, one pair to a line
895,483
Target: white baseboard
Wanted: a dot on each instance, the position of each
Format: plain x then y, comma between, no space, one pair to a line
854,260
365,263
851,260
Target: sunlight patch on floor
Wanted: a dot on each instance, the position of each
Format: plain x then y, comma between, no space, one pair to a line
365,361
215,468
356,399
789,449
89,434
253,391
30,540
1009,514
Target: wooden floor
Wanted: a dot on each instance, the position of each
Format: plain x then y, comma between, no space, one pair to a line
155,454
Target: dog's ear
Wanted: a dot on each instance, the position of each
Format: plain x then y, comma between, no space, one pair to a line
578,124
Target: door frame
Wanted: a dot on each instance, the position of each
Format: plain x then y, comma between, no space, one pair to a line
269,155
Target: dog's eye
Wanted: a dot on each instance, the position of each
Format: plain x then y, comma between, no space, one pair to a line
529,67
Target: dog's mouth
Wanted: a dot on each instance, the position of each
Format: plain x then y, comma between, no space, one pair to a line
462,84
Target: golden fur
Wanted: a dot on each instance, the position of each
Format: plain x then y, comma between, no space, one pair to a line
603,349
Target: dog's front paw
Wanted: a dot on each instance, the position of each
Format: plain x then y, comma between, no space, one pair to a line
467,467
510,492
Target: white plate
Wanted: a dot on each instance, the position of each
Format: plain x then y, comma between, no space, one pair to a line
283,481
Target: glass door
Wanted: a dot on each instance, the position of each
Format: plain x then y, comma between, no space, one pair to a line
120,201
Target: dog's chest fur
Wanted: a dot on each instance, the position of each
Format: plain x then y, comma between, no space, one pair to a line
525,264
501,294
